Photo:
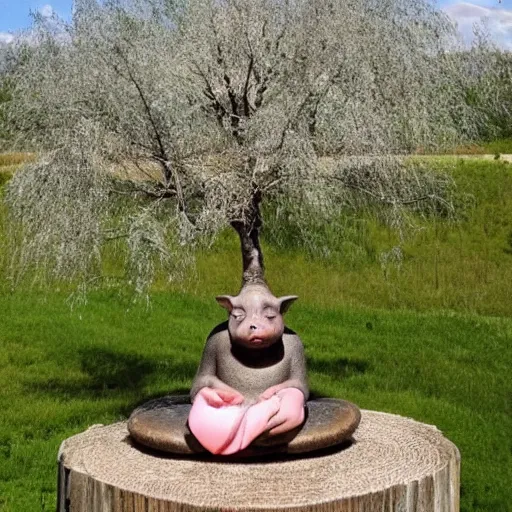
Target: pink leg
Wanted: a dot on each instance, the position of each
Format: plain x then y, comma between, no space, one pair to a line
291,413
214,427
228,429
254,423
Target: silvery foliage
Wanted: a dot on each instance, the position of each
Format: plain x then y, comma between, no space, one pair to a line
488,72
159,121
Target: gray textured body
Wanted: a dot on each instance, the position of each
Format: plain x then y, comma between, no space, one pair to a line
250,371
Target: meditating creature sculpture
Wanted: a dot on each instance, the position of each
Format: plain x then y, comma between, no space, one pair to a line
252,376
250,393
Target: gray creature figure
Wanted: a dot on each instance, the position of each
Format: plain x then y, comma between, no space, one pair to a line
252,376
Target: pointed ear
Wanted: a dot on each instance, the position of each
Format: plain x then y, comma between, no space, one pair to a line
226,301
286,302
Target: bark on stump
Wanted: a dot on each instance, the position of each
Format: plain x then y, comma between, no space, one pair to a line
394,464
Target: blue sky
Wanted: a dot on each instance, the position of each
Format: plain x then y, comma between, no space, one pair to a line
498,16
15,15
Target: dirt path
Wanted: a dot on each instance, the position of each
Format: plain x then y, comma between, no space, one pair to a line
502,157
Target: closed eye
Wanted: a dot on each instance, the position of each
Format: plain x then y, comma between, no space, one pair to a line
238,315
270,313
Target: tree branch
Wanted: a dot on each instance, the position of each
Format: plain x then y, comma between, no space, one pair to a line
162,152
235,115
218,108
247,109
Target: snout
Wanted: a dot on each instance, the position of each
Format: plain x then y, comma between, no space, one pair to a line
255,332
258,334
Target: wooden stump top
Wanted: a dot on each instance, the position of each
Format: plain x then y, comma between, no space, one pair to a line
409,462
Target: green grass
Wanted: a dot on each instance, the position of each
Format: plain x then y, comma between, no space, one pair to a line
463,265
63,370
492,147
428,338
498,146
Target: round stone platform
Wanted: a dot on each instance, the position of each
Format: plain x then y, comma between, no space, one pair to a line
392,464
161,424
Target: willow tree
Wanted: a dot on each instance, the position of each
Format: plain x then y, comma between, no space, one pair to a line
161,123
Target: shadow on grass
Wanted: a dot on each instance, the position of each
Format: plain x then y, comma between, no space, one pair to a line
108,374
339,368
104,372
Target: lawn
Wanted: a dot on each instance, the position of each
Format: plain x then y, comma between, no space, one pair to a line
462,264
63,370
429,338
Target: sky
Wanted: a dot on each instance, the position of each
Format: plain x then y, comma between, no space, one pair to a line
15,15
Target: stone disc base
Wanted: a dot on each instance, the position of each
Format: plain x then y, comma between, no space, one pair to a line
161,424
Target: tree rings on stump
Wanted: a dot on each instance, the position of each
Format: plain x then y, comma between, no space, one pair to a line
392,464
162,425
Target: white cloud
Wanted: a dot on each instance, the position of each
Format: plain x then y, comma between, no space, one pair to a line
49,21
465,11
6,38
46,11
497,21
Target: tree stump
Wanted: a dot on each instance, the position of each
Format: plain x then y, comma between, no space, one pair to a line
392,464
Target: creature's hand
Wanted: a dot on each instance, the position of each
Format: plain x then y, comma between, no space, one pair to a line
291,412
219,397
270,392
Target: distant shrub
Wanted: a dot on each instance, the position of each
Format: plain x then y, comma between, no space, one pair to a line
5,176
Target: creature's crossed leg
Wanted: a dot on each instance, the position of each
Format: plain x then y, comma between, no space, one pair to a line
230,428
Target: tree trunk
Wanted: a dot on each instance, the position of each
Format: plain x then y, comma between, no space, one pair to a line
249,233
393,464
